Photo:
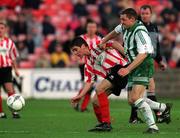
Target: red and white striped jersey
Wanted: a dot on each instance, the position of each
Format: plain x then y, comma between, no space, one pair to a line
8,52
100,61
90,41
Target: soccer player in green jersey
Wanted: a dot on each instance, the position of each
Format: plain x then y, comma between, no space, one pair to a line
146,14
138,49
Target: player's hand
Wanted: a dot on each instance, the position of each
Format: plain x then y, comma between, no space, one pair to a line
17,73
162,65
102,46
75,100
123,72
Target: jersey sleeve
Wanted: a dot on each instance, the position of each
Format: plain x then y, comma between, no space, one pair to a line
89,75
143,42
13,51
118,29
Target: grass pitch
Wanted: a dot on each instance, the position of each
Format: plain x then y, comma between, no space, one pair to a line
56,119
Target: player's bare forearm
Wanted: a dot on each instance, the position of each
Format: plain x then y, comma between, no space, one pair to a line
138,60
14,65
118,47
108,37
77,98
86,88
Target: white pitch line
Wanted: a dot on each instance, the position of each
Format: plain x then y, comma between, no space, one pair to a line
14,132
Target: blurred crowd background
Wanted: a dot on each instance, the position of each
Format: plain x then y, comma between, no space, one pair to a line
43,29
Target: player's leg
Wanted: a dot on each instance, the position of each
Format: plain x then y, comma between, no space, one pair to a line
134,119
135,97
96,108
86,100
163,108
8,85
138,80
81,70
101,106
2,114
152,95
10,91
9,88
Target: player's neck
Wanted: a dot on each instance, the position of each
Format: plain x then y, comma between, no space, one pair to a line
91,35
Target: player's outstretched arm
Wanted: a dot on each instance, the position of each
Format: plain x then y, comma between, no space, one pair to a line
137,61
118,47
108,37
14,65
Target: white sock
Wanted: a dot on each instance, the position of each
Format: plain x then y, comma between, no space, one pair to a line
146,112
155,105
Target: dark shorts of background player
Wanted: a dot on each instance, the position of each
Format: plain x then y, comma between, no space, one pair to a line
118,82
5,75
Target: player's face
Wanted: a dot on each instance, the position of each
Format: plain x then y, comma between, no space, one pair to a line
126,22
91,28
145,15
79,51
2,30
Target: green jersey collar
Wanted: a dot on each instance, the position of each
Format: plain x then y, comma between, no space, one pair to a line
134,26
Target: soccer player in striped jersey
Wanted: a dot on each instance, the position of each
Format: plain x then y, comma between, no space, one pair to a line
91,38
138,49
8,54
104,63
145,14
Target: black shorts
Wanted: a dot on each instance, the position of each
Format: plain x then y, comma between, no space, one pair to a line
5,75
117,81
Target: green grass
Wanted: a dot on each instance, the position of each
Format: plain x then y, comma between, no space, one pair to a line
56,119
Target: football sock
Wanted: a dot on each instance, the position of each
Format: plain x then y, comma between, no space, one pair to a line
97,112
104,107
152,96
1,110
10,93
155,105
133,112
145,109
85,101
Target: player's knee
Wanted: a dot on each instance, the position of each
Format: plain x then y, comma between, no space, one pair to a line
151,89
99,89
133,99
8,90
130,102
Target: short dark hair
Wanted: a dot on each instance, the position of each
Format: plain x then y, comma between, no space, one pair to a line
89,21
130,12
146,7
78,41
